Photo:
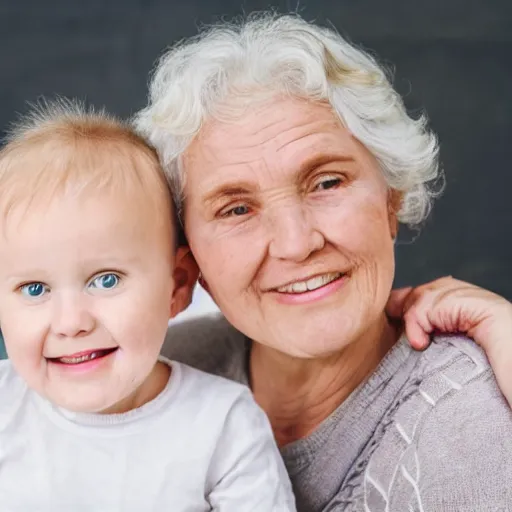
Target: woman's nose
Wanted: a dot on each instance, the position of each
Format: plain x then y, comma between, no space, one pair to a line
293,233
71,317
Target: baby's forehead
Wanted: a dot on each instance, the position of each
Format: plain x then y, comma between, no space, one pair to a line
81,234
85,229
41,172
90,158
53,158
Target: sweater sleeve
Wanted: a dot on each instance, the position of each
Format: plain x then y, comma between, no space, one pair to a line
464,450
448,449
448,446
247,472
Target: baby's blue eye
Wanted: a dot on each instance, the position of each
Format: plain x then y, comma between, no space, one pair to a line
105,282
33,290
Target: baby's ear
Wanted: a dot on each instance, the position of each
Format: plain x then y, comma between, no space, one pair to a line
185,277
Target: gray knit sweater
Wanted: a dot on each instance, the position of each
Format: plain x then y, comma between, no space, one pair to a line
427,431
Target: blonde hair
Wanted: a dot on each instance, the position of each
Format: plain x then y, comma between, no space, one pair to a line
62,146
272,54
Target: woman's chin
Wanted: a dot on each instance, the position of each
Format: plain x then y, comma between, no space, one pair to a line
303,342
325,333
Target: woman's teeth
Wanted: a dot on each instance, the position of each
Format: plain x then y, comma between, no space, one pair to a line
310,284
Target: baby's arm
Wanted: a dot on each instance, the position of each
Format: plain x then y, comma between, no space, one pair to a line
247,472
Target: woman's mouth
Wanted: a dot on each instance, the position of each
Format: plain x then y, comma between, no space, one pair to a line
311,290
311,284
83,357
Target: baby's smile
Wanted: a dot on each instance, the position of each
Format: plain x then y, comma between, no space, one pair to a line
84,362
82,357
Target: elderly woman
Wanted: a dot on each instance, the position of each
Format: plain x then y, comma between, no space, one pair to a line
294,161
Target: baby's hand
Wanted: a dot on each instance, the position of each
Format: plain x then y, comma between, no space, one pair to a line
449,305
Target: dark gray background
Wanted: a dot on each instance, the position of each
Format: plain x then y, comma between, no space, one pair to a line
452,57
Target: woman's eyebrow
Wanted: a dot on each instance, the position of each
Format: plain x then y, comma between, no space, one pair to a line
228,190
319,159
240,188
323,158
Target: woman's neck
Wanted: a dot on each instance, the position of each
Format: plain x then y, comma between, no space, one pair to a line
298,394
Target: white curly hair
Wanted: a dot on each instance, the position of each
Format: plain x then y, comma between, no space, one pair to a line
269,54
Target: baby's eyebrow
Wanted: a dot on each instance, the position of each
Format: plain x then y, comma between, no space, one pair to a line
33,274
111,261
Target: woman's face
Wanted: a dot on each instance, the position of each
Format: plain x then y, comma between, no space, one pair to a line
292,225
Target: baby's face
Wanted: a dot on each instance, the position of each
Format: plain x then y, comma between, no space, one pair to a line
86,285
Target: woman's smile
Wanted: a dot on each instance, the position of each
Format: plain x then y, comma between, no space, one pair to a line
309,284
311,290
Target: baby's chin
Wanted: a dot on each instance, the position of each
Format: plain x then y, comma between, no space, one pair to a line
102,386
90,405
90,397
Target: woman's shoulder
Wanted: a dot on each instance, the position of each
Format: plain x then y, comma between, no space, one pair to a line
451,364
447,348
457,397
449,443
209,343
456,385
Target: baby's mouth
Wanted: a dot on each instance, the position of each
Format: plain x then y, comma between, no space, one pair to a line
83,357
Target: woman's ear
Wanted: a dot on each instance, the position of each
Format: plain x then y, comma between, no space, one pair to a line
394,205
185,277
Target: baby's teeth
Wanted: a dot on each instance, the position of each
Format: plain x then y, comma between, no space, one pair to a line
79,359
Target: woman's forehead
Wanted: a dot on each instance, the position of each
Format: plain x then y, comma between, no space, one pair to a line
285,131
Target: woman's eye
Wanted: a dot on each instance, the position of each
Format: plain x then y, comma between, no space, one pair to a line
327,184
34,290
105,282
237,211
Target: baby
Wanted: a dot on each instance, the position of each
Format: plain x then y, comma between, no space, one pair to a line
91,418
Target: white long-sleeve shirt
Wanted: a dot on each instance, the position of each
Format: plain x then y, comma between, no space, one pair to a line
202,444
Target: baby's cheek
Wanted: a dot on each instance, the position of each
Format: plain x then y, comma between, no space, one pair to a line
28,361
25,335
27,345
